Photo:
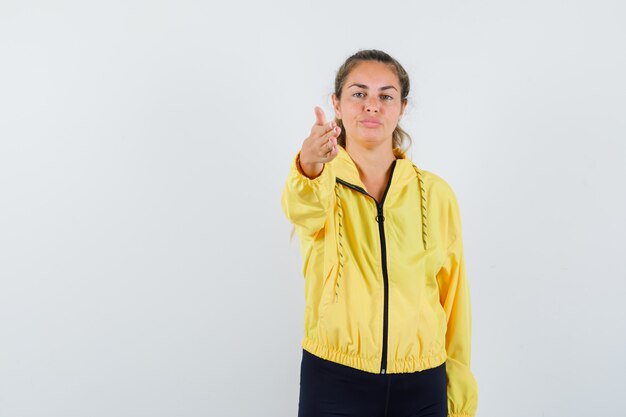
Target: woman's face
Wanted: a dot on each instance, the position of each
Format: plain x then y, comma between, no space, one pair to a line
370,106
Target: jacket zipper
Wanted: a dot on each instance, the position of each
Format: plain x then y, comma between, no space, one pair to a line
380,219
381,228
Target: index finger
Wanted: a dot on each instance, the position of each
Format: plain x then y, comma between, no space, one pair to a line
320,118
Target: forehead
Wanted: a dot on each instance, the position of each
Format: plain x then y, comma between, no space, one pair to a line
373,73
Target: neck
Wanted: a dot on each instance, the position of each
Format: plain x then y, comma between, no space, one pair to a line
371,161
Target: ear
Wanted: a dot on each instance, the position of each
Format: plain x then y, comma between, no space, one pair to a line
336,106
403,108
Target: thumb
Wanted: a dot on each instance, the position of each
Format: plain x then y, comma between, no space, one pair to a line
320,118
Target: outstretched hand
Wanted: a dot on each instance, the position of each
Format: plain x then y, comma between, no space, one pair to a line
321,145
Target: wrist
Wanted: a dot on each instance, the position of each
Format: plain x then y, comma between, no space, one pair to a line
310,170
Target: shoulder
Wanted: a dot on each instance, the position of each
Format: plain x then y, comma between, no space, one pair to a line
431,183
435,185
443,206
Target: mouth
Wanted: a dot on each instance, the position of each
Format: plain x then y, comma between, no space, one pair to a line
370,123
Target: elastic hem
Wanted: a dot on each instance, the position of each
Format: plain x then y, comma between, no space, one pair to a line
409,365
352,361
373,365
460,415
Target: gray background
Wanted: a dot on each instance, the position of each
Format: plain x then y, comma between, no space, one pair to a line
145,264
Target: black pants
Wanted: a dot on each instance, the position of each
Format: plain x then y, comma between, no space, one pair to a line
331,389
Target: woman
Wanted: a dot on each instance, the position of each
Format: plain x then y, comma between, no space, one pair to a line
387,318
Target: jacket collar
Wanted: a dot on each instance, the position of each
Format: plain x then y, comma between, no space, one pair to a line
346,169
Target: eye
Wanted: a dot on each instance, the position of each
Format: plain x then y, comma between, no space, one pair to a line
387,97
358,95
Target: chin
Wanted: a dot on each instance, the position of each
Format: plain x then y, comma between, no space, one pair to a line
369,141
367,136
372,137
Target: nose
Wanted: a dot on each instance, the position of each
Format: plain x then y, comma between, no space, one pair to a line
371,106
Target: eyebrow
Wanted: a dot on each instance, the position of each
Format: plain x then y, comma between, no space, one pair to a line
380,89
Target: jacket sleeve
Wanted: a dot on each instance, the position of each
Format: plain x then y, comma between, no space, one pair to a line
305,201
455,299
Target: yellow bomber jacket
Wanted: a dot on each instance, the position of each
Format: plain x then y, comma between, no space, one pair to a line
385,284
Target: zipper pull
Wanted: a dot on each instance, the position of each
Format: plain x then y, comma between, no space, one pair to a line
379,217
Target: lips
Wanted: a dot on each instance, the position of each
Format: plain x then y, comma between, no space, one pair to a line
370,123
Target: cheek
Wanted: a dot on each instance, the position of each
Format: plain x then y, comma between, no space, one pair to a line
395,113
351,109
